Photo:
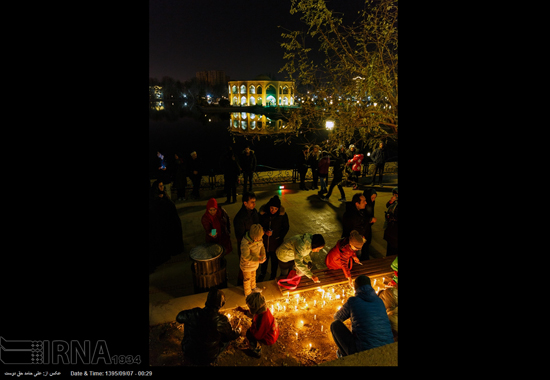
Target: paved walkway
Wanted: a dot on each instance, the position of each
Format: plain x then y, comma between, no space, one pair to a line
171,285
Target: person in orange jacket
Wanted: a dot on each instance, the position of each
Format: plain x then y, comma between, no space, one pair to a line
344,253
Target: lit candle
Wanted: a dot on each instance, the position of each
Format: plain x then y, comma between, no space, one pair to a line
296,336
323,303
310,346
339,307
278,306
315,317
272,311
228,316
374,282
321,328
295,308
314,302
383,278
285,308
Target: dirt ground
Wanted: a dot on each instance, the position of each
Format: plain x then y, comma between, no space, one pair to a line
304,333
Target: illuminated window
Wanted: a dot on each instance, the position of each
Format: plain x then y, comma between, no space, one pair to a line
243,89
252,101
259,89
234,90
235,101
260,101
253,125
243,115
252,89
285,90
243,125
271,100
243,101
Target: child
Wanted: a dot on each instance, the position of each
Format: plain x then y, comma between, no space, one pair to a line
344,253
252,254
264,328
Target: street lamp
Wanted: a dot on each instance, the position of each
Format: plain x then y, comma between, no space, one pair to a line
329,125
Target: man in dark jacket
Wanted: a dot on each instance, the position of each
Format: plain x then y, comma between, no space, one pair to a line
274,220
313,162
302,164
379,159
231,170
355,218
245,218
247,161
206,332
370,326
195,174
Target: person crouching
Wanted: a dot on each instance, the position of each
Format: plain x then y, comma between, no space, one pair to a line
264,328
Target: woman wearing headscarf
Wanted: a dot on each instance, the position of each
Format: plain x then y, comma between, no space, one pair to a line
217,226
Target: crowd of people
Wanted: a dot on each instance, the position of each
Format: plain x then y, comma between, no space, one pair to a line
261,237
347,164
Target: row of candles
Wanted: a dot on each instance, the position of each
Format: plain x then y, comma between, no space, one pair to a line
329,295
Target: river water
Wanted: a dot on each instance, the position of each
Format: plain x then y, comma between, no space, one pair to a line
211,140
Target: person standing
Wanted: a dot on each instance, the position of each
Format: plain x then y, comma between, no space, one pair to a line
370,326
355,163
247,162
313,162
165,233
245,218
370,196
217,225
274,220
231,170
195,174
379,159
338,175
324,165
252,255
180,178
355,218
390,231
302,166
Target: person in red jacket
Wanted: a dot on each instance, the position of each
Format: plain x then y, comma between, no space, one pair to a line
344,253
217,225
264,328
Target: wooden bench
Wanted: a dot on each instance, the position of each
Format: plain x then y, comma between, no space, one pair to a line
373,268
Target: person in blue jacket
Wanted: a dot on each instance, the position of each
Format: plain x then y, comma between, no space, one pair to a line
370,326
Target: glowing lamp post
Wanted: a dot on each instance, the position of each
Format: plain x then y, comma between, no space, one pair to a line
329,124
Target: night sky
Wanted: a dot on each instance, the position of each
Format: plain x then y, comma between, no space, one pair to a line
240,37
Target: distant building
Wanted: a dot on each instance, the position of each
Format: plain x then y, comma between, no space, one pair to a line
212,77
261,91
156,98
